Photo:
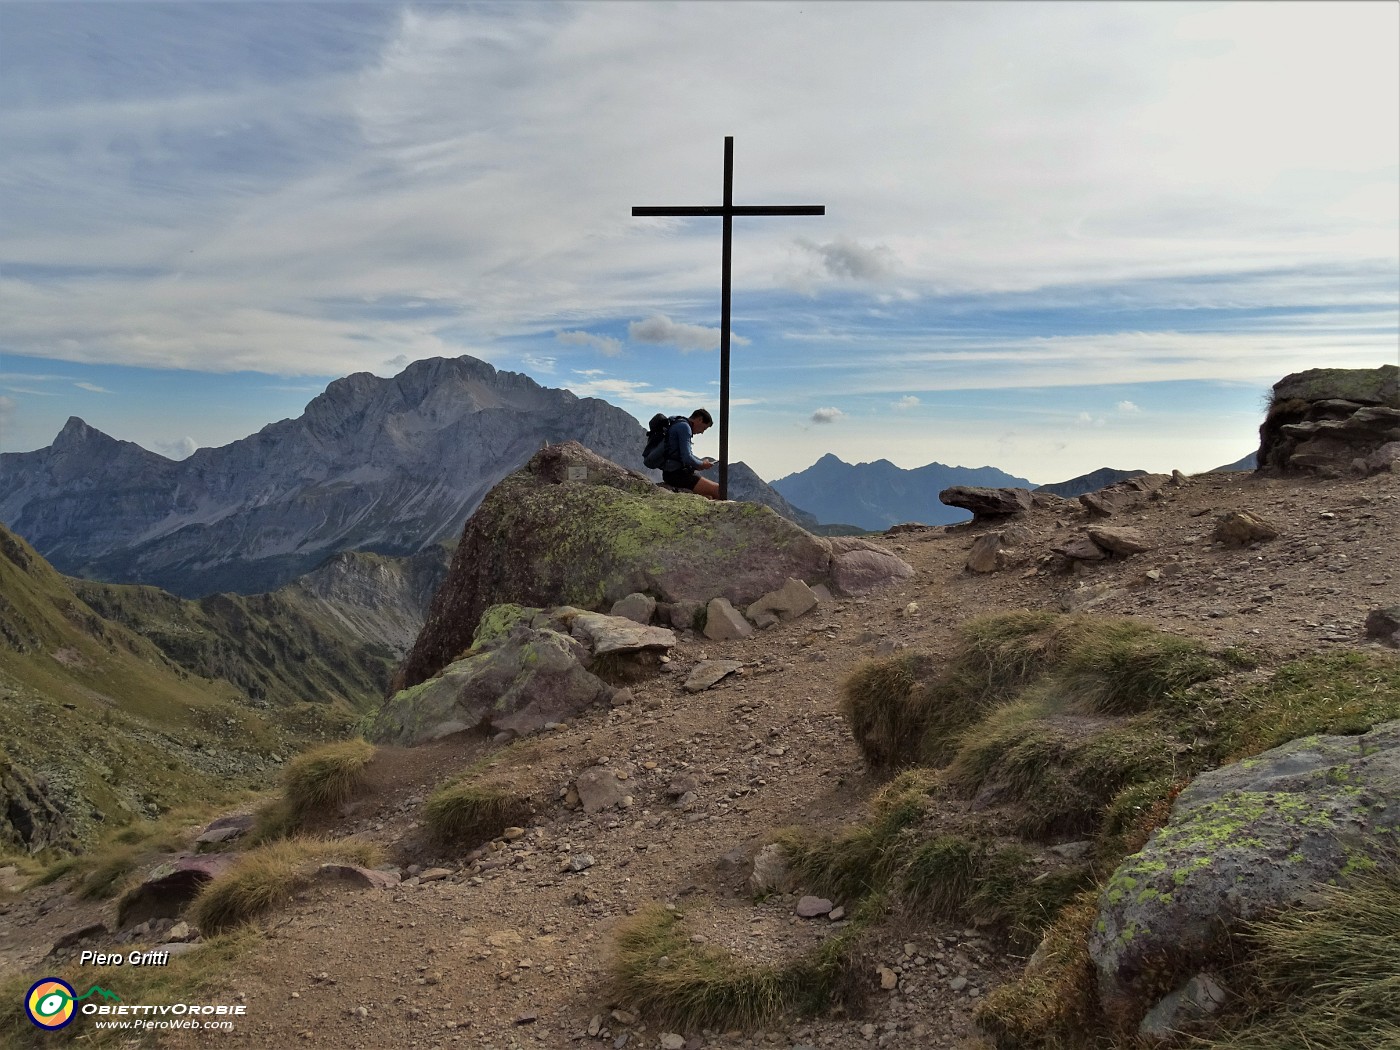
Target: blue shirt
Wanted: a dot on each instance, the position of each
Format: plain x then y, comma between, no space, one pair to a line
678,440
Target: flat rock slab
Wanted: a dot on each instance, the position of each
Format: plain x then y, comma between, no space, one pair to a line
1119,540
708,673
810,907
618,634
986,502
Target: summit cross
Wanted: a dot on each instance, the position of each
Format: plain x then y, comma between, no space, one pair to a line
727,211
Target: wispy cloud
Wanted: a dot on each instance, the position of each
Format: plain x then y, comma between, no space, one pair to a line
92,388
827,415
905,403
660,330
604,344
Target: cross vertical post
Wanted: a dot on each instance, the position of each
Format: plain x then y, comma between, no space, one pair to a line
727,211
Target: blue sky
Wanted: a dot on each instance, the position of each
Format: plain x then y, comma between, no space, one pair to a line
1058,236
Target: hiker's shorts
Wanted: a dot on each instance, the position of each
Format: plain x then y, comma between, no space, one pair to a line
680,479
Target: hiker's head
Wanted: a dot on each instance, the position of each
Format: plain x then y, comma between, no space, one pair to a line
701,420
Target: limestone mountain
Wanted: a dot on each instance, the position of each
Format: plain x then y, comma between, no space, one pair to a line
877,495
390,466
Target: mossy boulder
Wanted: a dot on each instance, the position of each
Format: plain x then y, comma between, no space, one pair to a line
1243,842
516,682
572,528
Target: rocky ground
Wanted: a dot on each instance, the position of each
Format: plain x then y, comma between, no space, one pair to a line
509,949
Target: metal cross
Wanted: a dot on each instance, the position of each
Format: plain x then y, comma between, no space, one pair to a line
727,211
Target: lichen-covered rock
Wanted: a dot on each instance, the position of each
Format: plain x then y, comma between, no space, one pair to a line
1243,841
516,683
573,528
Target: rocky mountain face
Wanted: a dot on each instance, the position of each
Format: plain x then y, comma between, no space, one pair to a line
1094,480
876,495
384,465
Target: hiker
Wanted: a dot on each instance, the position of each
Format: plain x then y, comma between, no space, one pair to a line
681,463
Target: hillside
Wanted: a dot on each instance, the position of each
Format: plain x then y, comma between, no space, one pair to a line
876,495
106,726
510,944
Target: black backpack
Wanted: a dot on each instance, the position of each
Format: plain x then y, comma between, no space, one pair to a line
654,454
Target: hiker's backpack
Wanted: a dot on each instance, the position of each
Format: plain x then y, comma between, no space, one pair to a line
654,454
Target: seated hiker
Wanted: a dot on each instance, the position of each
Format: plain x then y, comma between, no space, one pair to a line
681,463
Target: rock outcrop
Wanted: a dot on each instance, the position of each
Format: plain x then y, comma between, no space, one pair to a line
1333,421
572,528
1242,842
526,668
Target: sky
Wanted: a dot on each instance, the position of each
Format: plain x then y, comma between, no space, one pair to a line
1058,236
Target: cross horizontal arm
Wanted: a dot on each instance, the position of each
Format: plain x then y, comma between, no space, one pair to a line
736,209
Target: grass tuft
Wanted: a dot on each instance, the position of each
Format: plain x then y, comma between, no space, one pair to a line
665,976
267,876
467,814
327,776
1050,1005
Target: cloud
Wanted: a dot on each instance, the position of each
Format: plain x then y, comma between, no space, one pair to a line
1127,406
845,259
905,403
7,409
397,363
93,387
1084,419
180,448
589,372
538,363
660,330
604,344
827,415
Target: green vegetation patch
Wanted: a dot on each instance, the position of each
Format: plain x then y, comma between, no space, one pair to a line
663,974
1333,693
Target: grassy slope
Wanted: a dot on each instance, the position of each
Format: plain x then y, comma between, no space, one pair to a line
114,727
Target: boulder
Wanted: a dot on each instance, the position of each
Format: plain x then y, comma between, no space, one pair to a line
723,621
1332,421
1118,540
859,566
618,634
600,788
169,887
792,600
1079,548
1383,625
571,528
985,551
709,673
636,606
1241,528
515,683
1244,841
31,818
987,503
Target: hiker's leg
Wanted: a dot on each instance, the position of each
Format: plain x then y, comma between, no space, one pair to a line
707,488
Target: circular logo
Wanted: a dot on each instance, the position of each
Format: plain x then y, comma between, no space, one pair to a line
49,1003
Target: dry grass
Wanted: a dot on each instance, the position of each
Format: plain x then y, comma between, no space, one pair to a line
1326,977
327,776
466,814
657,970
267,876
